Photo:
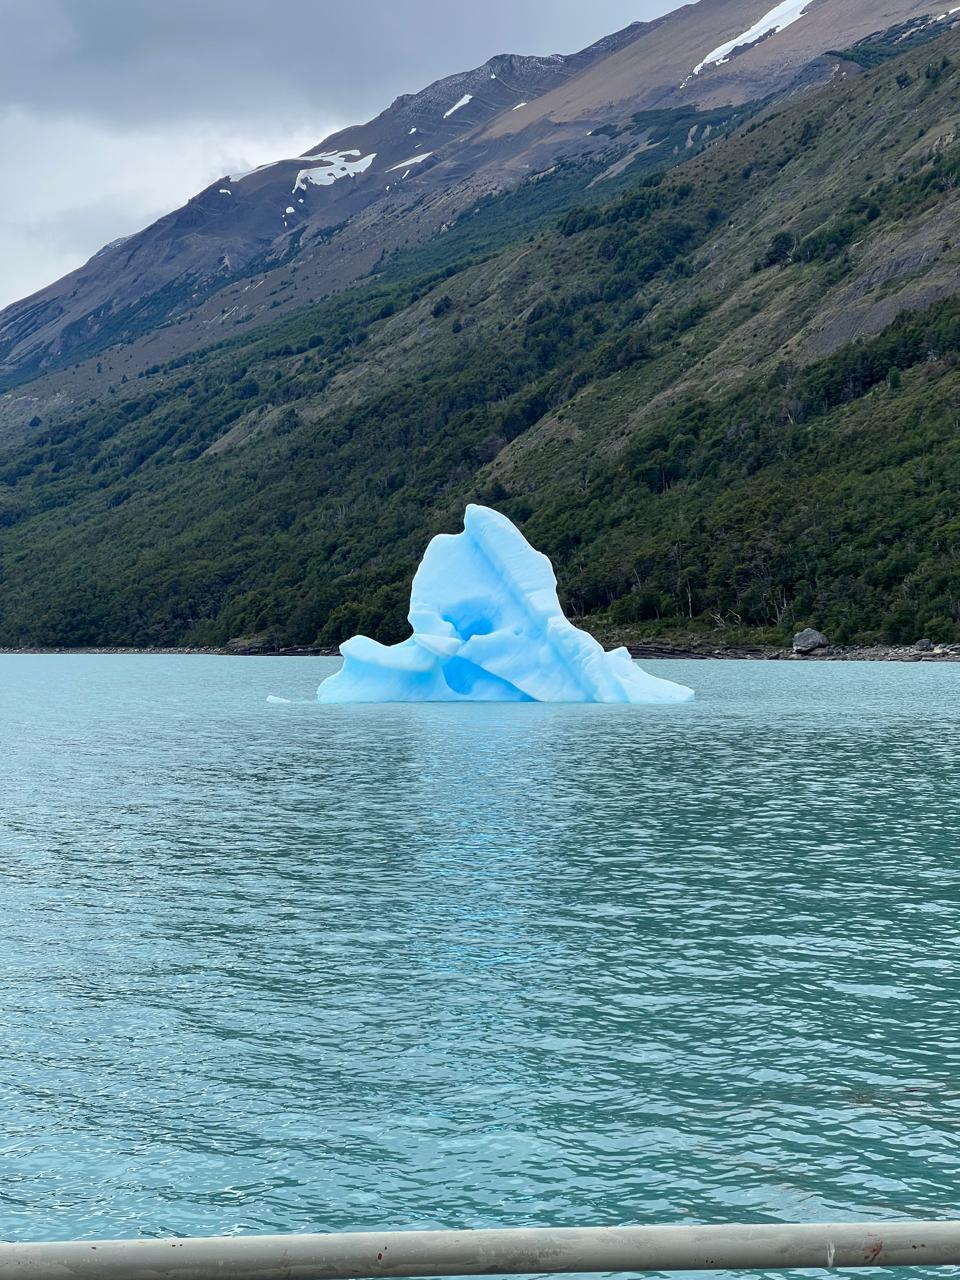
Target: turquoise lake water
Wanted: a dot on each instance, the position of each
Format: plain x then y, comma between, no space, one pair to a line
301,968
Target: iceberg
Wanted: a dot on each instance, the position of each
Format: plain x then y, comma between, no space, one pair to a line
488,627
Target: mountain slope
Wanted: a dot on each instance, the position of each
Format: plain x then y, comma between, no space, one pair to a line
293,231
725,399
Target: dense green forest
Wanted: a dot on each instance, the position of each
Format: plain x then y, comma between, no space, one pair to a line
725,400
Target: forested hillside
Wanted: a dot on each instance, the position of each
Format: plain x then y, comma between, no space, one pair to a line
725,400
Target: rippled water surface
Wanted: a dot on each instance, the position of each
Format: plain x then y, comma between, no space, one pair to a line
302,968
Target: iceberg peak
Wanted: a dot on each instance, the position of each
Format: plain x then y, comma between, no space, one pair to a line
488,627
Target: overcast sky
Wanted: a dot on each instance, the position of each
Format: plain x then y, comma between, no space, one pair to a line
115,111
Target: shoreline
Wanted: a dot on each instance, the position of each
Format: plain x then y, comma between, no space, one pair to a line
173,650
645,650
769,653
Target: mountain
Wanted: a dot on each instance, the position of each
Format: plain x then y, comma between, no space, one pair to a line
723,398
293,231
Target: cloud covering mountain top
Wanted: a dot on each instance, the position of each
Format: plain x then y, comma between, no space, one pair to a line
113,113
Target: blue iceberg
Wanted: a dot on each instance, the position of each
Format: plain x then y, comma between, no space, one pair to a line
488,627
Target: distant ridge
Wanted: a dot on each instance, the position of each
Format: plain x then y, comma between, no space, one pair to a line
293,231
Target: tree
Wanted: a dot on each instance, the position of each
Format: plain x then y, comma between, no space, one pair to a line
780,250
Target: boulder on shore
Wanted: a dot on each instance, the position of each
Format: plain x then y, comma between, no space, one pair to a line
808,640
924,646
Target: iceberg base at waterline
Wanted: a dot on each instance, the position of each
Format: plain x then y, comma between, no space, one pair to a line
488,627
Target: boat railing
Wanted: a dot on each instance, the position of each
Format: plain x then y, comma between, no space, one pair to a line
516,1251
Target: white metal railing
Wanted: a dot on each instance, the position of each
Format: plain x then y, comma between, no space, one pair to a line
490,1252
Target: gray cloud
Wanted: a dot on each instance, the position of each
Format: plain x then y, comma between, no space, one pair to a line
113,111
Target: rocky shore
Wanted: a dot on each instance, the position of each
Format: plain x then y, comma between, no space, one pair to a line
652,649
823,653
230,650
809,645
105,649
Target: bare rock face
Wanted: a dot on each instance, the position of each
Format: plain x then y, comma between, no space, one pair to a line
809,640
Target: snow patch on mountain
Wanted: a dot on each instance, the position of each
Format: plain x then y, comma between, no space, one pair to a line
467,97
332,166
783,15
239,177
404,164
114,244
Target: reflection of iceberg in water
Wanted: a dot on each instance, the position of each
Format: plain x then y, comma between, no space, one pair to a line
488,627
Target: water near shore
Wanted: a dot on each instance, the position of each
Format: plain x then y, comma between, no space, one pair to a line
291,967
